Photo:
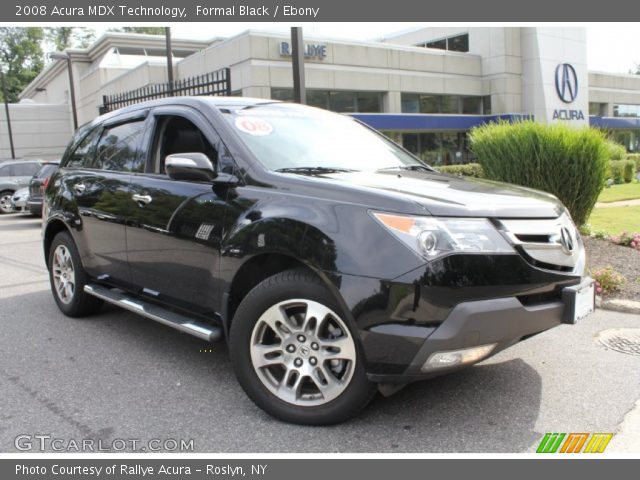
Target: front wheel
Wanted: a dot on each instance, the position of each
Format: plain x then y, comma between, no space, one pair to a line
294,353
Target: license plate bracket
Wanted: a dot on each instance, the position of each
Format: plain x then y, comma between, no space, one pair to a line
579,301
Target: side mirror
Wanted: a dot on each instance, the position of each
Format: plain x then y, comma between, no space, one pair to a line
193,166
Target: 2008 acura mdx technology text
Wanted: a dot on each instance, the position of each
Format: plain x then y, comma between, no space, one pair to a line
332,261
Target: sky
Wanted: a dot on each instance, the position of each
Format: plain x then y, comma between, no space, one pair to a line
611,47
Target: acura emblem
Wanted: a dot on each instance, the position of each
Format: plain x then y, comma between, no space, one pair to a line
566,241
566,82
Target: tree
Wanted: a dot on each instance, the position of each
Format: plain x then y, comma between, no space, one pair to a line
70,37
21,57
144,30
636,69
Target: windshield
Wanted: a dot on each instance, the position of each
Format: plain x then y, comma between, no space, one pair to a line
289,137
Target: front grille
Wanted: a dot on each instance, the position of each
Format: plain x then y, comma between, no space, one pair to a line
552,244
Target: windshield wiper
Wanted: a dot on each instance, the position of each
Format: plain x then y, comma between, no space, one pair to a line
413,168
314,170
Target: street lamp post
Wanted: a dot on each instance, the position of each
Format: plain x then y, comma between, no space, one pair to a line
6,111
167,37
72,91
297,57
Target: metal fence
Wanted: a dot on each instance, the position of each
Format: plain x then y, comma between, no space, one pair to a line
213,83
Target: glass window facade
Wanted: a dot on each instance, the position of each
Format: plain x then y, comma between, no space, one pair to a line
629,138
626,111
336,100
456,43
596,108
451,104
439,148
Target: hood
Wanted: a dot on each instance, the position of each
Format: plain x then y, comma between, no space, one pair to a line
448,195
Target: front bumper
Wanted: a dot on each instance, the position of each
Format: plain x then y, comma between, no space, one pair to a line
502,321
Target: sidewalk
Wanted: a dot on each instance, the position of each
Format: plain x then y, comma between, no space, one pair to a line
627,440
622,203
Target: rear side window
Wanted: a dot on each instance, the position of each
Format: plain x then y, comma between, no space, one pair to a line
24,169
119,148
82,156
4,171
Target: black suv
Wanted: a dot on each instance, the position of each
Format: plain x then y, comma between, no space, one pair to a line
332,261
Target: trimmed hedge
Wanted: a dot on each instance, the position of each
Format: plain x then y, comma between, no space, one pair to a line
468,170
570,163
616,151
634,157
622,171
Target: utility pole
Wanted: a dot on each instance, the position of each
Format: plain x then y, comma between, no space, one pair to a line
6,111
72,89
297,57
167,36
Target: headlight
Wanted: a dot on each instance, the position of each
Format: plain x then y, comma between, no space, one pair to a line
432,237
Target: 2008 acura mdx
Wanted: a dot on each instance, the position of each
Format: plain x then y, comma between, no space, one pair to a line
331,260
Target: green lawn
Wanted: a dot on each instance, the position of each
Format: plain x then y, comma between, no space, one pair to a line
616,220
616,193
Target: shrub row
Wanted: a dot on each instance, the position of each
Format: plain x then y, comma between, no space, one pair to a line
622,171
634,157
468,170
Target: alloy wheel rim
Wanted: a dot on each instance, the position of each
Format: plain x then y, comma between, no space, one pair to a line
303,352
64,278
5,203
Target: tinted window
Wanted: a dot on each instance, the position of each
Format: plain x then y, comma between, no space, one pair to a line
24,169
119,148
82,156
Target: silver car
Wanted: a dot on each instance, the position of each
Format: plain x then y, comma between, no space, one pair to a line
15,175
19,200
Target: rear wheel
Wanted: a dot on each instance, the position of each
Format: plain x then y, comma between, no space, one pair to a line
68,278
5,202
294,353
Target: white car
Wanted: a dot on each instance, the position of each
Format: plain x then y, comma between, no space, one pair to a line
19,200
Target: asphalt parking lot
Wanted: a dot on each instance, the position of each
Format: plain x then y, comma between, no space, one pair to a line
119,376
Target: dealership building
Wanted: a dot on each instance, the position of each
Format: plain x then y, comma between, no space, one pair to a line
425,88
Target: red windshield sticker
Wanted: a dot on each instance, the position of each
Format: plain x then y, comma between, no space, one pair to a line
254,126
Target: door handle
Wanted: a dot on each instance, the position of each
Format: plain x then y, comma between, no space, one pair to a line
146,199
80,188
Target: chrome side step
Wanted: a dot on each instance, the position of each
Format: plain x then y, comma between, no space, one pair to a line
175,320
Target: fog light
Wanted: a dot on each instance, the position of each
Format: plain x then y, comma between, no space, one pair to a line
454,358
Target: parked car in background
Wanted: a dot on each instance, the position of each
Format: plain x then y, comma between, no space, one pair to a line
15,175
38,184
19,200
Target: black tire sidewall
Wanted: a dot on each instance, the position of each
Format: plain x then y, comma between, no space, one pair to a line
282,287
78,305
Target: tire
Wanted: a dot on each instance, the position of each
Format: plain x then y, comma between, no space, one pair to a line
296,367
5,202
68,278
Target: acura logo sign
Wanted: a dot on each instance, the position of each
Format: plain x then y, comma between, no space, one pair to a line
566,241
566,82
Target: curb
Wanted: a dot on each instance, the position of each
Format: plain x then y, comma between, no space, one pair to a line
618,305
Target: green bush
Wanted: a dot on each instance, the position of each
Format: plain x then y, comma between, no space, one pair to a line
622,171
570,163
468,170
616,151
616,171
634,157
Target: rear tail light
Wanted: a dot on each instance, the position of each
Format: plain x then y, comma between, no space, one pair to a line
45,182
